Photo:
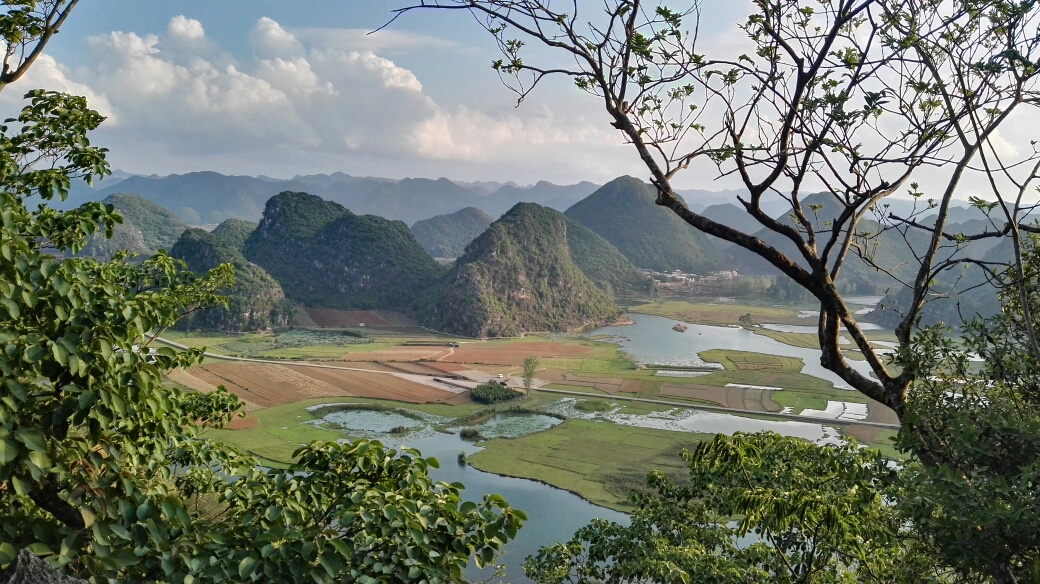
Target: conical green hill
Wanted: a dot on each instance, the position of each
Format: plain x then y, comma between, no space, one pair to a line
624,213
518,276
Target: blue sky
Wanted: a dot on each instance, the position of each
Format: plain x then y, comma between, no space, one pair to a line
280,88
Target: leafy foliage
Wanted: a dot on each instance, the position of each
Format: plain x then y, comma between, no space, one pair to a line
517,276
489,393
977,408
624,213
255,300
804,514
446,236
105,472
325,256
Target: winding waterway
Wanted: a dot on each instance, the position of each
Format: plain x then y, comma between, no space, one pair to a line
651,340
553,514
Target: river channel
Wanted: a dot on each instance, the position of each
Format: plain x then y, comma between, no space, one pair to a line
553,514
651,340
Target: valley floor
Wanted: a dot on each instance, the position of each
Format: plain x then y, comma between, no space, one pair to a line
602,451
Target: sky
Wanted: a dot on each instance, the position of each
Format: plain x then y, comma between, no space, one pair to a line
275,88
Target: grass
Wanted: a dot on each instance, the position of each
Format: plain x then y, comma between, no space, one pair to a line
711,313
757,369
600,461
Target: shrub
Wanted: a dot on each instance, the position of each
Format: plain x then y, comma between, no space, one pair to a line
489,393
470,434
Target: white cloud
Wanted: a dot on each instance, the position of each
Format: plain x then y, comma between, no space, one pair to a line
185,28
378,41
314,102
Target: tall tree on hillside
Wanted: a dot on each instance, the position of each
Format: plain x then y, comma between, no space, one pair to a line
861,99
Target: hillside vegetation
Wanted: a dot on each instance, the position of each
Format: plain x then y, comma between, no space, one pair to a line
602,263
147,227
256,301
446,236
324,256
624,213
234,233
517,276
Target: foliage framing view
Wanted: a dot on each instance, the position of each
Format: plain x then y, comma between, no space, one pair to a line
859,99
103,470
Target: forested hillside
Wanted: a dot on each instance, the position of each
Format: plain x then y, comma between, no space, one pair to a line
624,213
255,300
234,233
147,227
325,256
517,276
446,236
602,263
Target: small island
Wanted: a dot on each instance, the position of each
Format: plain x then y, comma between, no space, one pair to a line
679,327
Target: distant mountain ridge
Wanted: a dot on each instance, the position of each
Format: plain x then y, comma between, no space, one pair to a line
446,236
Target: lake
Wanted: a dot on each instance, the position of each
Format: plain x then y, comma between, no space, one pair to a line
651,340
553,514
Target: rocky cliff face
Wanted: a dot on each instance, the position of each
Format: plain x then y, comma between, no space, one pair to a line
327,257
518,276
255,300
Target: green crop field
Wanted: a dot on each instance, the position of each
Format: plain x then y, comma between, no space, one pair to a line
715,313
600,461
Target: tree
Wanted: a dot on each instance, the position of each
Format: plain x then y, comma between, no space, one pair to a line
805,514
855,98
746,320
26,28
104,470
834,107
530,368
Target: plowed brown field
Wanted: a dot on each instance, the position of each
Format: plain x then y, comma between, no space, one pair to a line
375,385
265,385
512,353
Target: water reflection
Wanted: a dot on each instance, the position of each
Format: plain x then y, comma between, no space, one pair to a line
651,341
553,514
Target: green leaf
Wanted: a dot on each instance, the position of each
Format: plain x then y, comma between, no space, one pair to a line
8,451
89,516
247,566
32,438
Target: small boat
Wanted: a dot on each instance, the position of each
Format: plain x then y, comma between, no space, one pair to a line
679,328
